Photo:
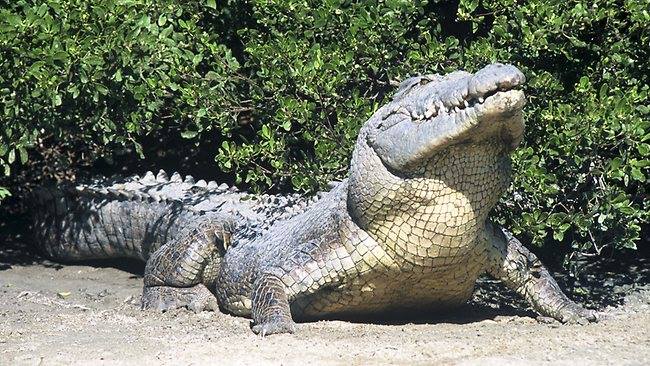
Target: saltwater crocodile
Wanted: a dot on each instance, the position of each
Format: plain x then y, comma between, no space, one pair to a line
408,229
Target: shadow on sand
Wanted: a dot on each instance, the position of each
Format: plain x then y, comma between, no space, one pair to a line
601,283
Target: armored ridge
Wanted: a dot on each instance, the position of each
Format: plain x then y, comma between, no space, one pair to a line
407,231
134,216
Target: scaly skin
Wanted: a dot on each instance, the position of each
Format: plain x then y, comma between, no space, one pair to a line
136,216
407,231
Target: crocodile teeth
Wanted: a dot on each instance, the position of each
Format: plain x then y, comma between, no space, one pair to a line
456,109
212,184
223,187
202,183
398,110
440,107
189,179
466,103
416,116
431,111
481,99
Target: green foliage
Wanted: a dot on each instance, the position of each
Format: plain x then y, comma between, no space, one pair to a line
582,174
105,72
4,193
285,86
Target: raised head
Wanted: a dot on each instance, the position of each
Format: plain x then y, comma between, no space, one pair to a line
429,113
430,165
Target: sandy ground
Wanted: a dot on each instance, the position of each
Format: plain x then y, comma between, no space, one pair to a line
88,314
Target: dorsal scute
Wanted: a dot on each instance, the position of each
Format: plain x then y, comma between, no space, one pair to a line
261,211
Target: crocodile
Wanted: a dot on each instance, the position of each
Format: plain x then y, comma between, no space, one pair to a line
407,230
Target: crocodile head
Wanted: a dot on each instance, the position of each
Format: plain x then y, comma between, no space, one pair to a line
429,113
435,159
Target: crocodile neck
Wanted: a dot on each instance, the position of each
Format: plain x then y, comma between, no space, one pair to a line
436,213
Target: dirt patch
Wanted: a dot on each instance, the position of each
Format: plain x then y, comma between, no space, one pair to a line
89,314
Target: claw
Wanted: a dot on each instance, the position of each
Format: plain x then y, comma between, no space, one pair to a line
576,314
274,327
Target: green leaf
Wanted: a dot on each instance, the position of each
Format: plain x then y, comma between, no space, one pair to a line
189,134
60,56
211,4
4,192
225,146
266,132
42,10
166,32
23,155
56,100
101,89
211,75
286,125
637,174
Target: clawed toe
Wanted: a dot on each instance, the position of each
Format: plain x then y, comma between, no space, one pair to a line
274,327
576,314
583,317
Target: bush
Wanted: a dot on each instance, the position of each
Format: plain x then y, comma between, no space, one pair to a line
282,87
101,74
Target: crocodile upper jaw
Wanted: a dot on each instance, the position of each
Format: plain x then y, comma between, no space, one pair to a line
435,112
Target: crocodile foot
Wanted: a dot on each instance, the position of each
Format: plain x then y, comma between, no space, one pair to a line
573,313
274,326
164,298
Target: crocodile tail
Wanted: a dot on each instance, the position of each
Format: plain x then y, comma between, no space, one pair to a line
80,222
133,216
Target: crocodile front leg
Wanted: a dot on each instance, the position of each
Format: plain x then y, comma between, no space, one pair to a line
270,306
274,288
179,273
520,270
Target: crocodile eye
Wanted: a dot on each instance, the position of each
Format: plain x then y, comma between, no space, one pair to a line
424,81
